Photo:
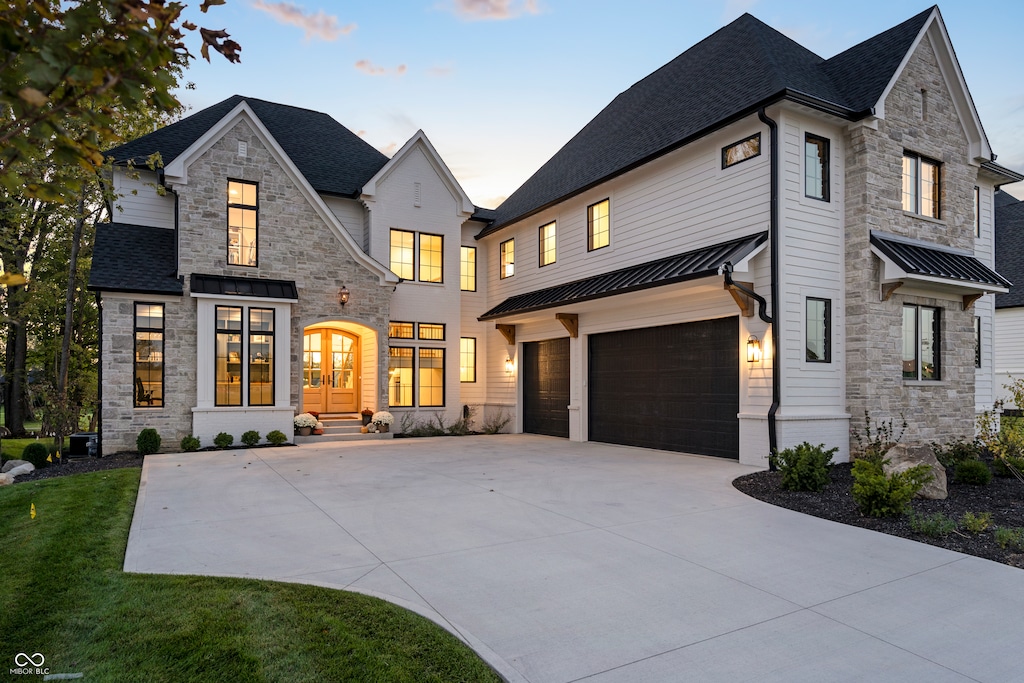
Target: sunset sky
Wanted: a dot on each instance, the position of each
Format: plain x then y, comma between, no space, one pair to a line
500,85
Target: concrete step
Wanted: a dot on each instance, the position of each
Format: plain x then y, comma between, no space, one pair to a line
321,438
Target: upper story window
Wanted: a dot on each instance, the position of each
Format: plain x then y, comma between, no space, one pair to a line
548,249
816,160
748,148
977,211
598,225
977,342
467,271
431,258
921,187
402,263
242,218
507,259
920,342
819,322
149,355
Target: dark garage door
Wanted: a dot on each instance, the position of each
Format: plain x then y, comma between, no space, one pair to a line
674,387
546,387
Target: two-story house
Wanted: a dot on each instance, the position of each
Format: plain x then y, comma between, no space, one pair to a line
747,249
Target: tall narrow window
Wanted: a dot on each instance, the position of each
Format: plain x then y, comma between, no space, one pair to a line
467,271
507,259
228,375
467,359
598,225
242,232
977,342
432,377
149,355
920,342
818,343
402,254
548,249
261,356
399,376
816,183
431,258
921,185
977,211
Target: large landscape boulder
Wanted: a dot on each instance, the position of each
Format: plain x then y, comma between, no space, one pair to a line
11,464
9,473
901,458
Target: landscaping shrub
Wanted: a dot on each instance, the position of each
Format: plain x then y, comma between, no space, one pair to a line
881,495
148,441
1011,538
36,453
1005,465
496,422
973,472
276,437
956,452
805,467
190,443
976,523
874,444
935,525
223,440
251,438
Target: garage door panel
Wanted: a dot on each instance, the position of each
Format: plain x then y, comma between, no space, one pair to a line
546,387
674,387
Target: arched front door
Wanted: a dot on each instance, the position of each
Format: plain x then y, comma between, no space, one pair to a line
330,371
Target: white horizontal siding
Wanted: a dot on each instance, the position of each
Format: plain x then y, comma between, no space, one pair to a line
139,203
350,213
1009,350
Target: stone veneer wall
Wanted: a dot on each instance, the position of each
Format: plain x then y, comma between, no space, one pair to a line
937,410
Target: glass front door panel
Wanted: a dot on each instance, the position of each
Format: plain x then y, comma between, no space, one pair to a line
330,371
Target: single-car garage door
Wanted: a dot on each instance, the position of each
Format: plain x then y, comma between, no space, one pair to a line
546,387
674,387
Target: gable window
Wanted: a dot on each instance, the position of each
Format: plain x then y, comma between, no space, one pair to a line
431,377
819,322
507,259
228,375
467,359
598,226
399,330
977,342
747,148
921,187
816,182
467,271
432,331
149,355
977,211
399,376
548,250
242,232
920,342
402,253
261,356
431,258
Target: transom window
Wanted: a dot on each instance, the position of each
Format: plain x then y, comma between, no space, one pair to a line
432,331
819,320
920,342
467,271
507,259
598,225
431,258
242,229
548,249
400,330
149,355
747,148
921,185
816,160
402,263
467,359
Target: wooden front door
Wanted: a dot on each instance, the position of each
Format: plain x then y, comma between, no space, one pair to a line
330,371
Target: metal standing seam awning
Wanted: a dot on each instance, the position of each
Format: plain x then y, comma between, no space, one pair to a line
691,265
243,286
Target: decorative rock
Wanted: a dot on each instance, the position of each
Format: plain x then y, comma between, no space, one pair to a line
901,458
7,477
11,464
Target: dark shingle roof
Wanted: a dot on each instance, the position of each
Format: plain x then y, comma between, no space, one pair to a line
243,286
689,266
332,158
1010,247
134,258
936,262
726,76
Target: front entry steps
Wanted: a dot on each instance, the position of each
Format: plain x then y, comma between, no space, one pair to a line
341,427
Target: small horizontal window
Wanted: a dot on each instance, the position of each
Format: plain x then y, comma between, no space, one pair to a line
399,330
432,331
748,148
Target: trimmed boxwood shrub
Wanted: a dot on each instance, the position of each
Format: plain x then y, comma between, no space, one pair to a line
881,495
148,441
973,472
223,440
277,437
190,443
36,453
805,467
251,438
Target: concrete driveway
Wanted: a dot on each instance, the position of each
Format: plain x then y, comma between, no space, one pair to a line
562,561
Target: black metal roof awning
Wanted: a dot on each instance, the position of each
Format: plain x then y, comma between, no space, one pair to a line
913,260
243,286
672,269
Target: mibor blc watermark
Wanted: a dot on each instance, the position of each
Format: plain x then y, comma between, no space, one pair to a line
29,665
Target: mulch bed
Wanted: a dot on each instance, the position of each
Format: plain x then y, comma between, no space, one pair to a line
1003,497
80,465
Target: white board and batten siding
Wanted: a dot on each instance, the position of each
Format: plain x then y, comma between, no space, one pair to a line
988,387
139,203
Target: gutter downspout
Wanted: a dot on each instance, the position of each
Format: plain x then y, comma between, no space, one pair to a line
773,236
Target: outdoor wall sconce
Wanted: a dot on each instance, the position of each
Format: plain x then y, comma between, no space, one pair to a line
509,365
753,349
343,295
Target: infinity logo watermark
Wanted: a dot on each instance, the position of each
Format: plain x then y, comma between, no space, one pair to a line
22,659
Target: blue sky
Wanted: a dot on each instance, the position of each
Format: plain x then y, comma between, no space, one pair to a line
500,85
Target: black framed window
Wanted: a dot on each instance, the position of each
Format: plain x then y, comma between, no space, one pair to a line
547,239
507,259
431,258
977,342
400,375
467,271
977,211
818,330
598,225
431,331
400,330
747,148
816,163
402,254
228,360
431,376
243,233
467,359
921,342
261,356
922,188
149,356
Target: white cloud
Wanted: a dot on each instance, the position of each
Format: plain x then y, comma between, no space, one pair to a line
319,25
371,69
389,149
489,10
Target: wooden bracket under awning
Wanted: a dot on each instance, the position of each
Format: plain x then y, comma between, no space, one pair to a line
508,332
969,299
743,300
571,322
888,288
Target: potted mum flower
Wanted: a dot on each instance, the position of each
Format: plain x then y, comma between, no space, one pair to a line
382,420
304,423
367,416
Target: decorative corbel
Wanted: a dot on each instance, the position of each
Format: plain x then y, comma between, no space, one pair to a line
969,300
571,322
508,332
742,300
887,288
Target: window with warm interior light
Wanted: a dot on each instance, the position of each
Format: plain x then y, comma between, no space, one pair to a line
432,331
261,356
431,377
548,248
149,355
816,183
400,376
431,258
598,225
467,271
228,374
400,330
467,359
921,185
242,227
507,259
402,242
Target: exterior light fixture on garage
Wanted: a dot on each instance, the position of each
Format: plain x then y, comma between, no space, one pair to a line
509,365
753,349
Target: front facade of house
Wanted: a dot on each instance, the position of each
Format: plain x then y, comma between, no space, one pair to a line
739,273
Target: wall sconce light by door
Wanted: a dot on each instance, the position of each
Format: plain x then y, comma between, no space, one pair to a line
753,349
343,295
509,365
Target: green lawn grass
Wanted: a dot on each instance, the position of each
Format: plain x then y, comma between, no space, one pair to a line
11,449
63,594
